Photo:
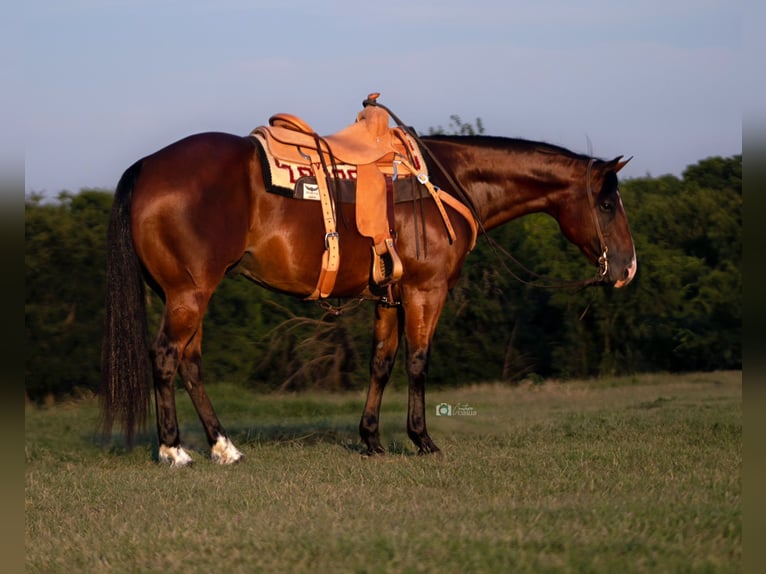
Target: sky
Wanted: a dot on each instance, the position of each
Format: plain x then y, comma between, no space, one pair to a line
106,82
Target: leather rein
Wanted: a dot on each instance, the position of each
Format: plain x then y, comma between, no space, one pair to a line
541,282
547,283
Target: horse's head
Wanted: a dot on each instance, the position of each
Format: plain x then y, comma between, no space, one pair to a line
594,219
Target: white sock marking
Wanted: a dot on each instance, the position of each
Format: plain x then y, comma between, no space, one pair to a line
224,451
176,456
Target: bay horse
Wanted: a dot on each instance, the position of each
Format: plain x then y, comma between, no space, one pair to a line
191,213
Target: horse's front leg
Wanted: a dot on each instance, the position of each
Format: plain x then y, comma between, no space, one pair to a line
421,316
387,333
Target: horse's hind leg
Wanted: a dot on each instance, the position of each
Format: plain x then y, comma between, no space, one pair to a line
386,338
166,352
222,450
178,348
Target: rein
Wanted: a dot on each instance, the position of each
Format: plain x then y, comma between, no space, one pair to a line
541,281
545,283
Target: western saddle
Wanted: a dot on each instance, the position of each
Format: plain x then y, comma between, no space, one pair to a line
368,150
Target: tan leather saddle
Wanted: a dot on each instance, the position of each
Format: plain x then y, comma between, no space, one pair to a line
367,150
369,145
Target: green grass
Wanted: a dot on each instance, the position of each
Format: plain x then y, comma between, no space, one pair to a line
624,475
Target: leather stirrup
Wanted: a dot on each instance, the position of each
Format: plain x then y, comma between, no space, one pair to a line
387,267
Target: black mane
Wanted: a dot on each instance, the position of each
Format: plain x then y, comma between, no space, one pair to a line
516,144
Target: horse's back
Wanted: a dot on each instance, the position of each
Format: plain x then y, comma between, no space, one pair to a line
190,209
208,161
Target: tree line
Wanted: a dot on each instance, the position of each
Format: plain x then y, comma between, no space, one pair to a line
683,311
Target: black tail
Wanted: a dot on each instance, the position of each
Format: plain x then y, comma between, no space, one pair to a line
125,368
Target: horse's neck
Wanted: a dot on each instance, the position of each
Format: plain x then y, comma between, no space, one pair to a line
505,186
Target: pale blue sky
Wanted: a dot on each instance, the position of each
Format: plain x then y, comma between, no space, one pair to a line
109,81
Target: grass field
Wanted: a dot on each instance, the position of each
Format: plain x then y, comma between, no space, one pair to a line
635,474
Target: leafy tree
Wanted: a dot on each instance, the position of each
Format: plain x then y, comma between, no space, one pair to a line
687,313
458,127
683,311
65,273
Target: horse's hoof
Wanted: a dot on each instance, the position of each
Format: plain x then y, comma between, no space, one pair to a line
373,452
175,456
224,451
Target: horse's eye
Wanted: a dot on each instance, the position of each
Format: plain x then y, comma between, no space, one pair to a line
606,205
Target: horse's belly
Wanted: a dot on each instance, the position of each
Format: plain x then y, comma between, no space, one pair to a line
292,265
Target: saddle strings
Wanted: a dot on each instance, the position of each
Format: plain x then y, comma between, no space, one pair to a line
328,175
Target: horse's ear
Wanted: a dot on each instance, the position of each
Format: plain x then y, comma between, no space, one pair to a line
617,165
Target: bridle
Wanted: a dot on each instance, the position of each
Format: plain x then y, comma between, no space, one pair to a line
545,283
603,261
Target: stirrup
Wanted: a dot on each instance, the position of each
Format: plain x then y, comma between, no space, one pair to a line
386,265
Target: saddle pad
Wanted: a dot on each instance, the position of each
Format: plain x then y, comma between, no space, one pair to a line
290,178
305,186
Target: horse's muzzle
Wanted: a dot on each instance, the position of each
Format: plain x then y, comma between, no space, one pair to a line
628,274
